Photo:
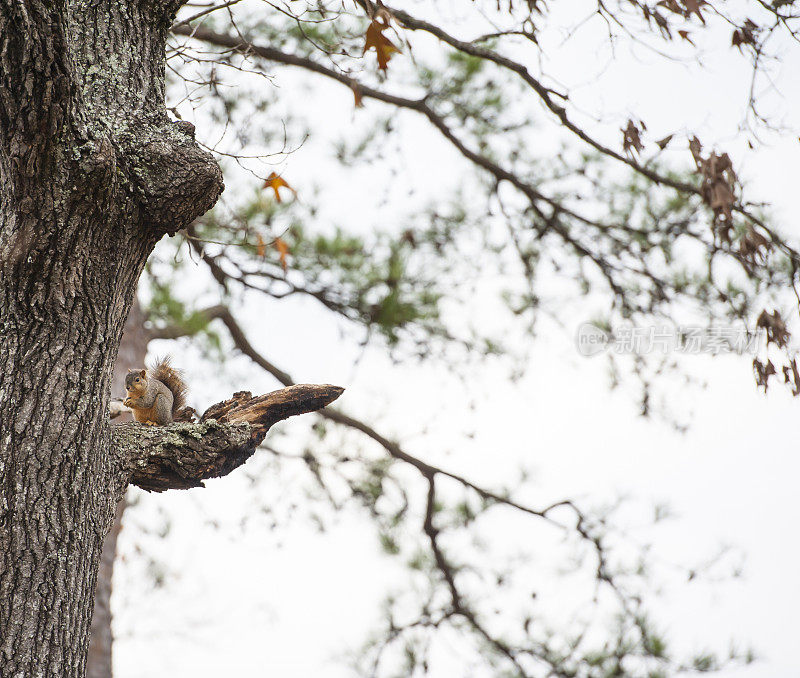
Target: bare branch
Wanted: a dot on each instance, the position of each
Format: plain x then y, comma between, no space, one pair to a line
393,448
550,222
205,12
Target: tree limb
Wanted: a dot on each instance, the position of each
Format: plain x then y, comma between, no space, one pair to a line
547,222
421,106
182,455
240,340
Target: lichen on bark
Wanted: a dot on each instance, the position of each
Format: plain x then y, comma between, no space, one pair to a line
182,455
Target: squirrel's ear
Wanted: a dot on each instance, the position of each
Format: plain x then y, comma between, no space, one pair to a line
143,373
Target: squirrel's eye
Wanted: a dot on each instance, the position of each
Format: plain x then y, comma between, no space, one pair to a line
137,380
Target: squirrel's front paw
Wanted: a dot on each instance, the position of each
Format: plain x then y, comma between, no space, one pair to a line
150,423
127,402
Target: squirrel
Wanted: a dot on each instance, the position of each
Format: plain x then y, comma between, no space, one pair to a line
157,397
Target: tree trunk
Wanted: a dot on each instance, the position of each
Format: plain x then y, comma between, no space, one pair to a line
92,174
132,353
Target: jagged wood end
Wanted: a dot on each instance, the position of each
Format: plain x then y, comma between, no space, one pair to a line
182,455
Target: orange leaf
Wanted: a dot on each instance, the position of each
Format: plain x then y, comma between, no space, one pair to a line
283,250
275,182
384,48
261,246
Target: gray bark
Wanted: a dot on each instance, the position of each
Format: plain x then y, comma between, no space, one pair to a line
92,174
182,455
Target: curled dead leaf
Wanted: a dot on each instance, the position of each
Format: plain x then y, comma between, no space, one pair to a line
283,250
791,376
775,328
745,34
754,246
663,143
631,137
672,6
375,39
718,185
693,7
763,371
696,148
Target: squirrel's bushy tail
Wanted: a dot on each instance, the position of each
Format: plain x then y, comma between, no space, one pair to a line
173,380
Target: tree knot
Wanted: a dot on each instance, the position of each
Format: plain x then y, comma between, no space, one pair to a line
174,179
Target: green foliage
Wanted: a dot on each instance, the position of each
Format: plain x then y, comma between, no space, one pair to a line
165,308
369,487
389,545
374,282
705,662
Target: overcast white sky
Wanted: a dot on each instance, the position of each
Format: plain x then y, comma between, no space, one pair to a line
288,603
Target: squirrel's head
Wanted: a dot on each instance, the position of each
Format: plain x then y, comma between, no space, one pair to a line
136,381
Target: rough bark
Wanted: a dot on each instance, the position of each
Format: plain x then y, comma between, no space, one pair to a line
181,456
132,353
92,174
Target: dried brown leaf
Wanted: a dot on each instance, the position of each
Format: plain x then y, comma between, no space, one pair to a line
754,246
631,137
375,39
775,328
693,7
745,34
663,143
763,372
283,250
